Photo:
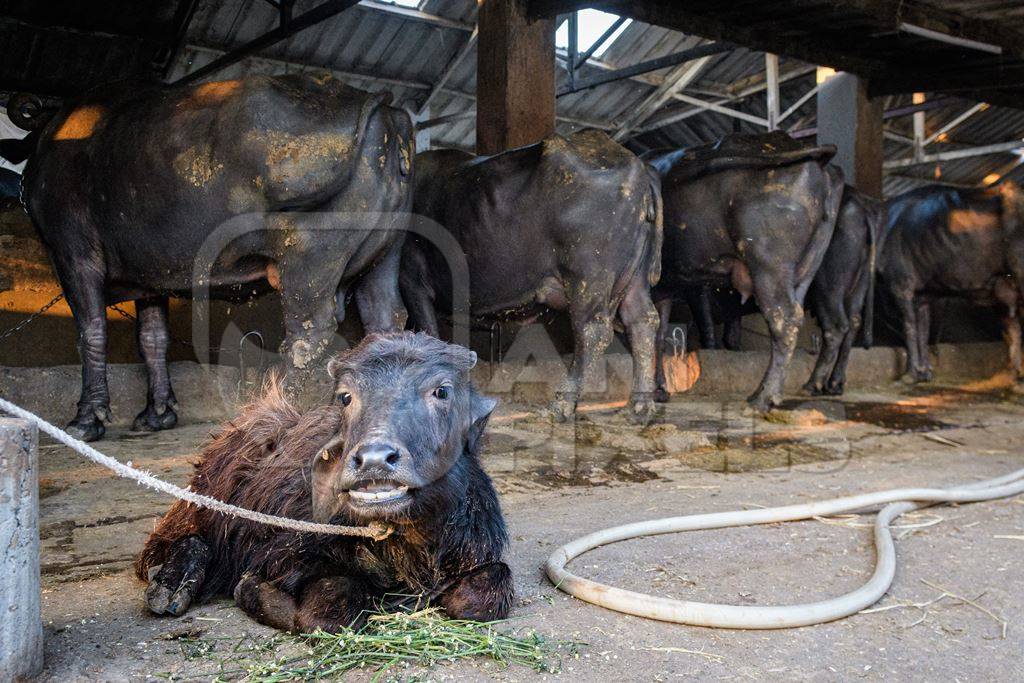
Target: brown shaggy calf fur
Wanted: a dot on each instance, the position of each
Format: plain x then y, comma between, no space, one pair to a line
448,541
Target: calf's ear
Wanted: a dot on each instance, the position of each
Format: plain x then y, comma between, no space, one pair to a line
325,497
481,408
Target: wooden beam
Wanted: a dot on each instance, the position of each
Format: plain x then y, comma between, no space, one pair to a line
852,121
515,77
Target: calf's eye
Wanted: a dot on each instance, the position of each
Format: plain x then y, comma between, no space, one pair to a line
442,392
345,398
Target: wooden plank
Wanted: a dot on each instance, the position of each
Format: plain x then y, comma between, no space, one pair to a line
515,77
21,628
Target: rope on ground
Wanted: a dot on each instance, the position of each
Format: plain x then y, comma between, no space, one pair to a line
896,501
376,530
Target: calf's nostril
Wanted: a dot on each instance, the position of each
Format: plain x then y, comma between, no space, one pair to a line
381,456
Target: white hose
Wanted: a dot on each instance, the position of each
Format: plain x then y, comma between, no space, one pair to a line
896,501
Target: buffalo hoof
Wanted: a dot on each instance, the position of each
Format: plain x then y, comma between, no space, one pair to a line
641,410
152,420
835,388
812,389
661,395
88,428
758,404
561,410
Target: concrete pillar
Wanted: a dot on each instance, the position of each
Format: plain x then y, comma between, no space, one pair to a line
21,621
850,120
515,78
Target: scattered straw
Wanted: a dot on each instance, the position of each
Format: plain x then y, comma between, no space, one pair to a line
1011,538
941,439
947,593
423,638
718,659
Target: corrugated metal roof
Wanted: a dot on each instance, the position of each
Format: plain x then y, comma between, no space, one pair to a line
406,55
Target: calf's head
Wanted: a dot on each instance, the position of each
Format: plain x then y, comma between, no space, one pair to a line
409,413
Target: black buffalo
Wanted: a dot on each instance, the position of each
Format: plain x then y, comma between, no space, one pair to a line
943,241
570,223
841,296
755,212
143,192
399,445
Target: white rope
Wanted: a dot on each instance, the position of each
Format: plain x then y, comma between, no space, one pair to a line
375,530
896,501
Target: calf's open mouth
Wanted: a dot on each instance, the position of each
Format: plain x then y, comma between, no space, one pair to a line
377,492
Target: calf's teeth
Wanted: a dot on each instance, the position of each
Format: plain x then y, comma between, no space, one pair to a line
379,495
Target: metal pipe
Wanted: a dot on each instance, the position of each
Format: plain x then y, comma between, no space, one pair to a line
303,21
951,40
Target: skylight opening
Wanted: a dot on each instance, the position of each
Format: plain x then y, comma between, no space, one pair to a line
592,25
415,4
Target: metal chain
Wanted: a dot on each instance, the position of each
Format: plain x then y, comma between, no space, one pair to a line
175,340
17,328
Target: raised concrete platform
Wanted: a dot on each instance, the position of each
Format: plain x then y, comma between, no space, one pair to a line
212,393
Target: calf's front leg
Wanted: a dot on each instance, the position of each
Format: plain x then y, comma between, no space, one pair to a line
330,603
483,595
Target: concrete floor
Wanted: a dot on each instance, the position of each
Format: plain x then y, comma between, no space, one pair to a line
559,482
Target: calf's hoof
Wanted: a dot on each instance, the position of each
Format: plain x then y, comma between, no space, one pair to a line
174,584
154,419
661,395
87,428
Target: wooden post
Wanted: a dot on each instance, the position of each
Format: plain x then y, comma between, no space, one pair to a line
850,120
515,78
21,622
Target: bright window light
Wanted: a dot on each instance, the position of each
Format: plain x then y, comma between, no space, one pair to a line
592,25
405,3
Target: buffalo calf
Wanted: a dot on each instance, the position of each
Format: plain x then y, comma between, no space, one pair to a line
399,445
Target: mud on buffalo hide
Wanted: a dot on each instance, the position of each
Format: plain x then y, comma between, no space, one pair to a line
329,464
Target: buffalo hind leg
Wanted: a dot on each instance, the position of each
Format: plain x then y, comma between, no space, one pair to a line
378,298
904,297
330,604
642,323
592,333
174,584
85,294
698,298
664,307
837,380
483,595
152,337
924,325
784,315
835,328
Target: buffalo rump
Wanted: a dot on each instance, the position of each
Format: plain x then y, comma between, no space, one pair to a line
944,241
143,192
755,212
570,223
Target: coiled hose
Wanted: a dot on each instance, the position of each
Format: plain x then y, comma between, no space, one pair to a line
896,501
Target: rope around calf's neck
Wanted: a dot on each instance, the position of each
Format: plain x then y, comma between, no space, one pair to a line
377,531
